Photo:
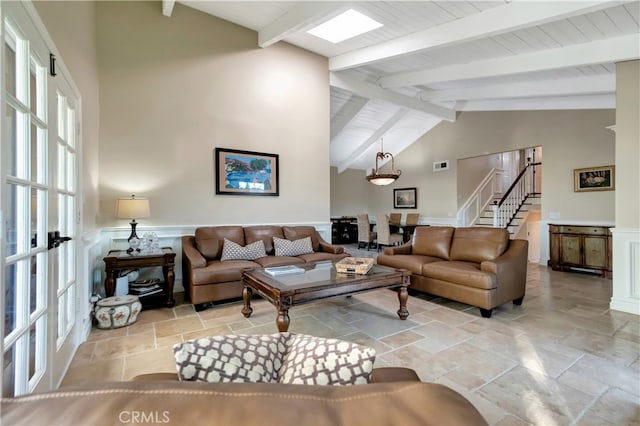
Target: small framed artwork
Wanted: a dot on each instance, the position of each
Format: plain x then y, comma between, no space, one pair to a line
246,172
594,179
405,198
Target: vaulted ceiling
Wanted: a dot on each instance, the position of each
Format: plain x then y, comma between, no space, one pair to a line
432,59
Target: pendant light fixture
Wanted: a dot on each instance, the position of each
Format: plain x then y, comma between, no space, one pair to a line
382,179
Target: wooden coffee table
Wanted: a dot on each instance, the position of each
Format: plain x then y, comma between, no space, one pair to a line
319,281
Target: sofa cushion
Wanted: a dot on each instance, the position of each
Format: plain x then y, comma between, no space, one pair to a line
264,233
292,248
464,273
432,241
217,271
320,361
410,262
477,244
297,232
210,239
231,358
319,256
233,251
273,261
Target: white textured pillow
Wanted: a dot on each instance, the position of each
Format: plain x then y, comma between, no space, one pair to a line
231,358
292,248
234,251
314,360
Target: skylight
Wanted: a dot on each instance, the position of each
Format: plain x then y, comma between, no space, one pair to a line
345,26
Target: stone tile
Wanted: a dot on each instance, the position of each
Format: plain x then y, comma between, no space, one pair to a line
184,310
593,375
429,367
403,338
536,398
119,346
440,336
155,315
614,407
102,370
449,316
178,326
381,326
154,361
620,351
476,363
489,410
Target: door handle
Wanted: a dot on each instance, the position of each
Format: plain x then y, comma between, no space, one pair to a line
54,239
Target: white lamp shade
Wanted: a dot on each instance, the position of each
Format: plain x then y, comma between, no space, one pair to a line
132,208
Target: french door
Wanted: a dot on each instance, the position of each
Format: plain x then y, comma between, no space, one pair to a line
39,208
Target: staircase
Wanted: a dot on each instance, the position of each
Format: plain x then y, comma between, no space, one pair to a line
488,206
530,204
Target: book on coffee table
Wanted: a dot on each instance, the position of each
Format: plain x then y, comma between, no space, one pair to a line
283,270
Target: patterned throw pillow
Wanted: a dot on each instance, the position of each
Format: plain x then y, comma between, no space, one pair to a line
234,251
231,358
319,361
292,248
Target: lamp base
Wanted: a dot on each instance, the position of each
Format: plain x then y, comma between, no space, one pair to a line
133,239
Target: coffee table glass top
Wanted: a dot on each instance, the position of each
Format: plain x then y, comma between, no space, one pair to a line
317,275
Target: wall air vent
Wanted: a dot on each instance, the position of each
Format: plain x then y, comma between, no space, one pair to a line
439,166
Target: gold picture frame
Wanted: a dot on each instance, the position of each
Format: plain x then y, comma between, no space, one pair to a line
594,179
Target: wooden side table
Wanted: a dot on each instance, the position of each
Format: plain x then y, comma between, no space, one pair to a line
117,261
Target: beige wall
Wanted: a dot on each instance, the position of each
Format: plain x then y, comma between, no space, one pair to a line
72,26
173,89
627,136
570,139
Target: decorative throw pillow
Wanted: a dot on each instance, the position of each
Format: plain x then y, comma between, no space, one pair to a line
231,358
320,361
292,248
234,251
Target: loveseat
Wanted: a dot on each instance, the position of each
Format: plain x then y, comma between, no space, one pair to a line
394,396
478,266
209,277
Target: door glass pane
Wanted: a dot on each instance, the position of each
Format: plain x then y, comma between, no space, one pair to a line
34,217
10,299
8,373
10,220
32,350
10,69
33,285
10,134
33,91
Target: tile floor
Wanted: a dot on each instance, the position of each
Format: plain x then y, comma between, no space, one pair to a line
561,358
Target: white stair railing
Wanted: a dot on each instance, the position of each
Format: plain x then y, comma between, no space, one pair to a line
492,185
505,210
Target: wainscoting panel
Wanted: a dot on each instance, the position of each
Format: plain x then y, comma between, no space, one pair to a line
626,270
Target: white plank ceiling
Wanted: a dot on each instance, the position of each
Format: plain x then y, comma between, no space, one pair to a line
434,58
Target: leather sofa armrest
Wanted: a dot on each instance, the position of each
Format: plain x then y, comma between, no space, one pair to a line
393,374
511,267
155,377
191,254
329,248
403,249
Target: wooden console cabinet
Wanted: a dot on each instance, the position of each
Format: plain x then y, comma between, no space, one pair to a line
579,246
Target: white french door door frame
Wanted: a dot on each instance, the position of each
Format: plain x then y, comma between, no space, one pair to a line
56,321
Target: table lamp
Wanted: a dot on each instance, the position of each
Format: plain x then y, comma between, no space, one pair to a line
132,208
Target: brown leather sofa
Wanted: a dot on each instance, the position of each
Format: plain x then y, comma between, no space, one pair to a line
206,278
478,266
394,396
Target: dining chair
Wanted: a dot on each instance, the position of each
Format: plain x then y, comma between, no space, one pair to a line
385,236
365,235
413,218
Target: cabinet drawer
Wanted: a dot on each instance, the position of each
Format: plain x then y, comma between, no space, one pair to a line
582,230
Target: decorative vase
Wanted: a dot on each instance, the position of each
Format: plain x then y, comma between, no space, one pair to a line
117,311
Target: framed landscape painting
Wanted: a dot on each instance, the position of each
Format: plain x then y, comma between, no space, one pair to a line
405,198
246,172
594,179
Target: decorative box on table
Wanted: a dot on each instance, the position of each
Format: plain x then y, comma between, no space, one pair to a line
354,265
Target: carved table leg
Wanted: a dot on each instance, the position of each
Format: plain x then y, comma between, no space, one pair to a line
169,279
282,322
246,298
109,283
403,296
